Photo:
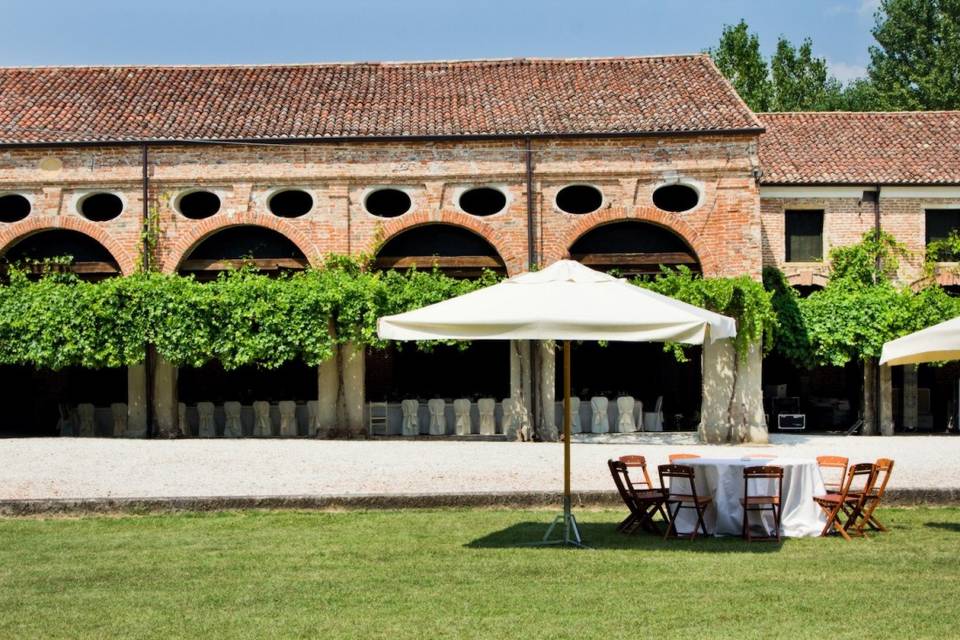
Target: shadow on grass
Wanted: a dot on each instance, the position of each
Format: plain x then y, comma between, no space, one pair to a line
946,526
603,535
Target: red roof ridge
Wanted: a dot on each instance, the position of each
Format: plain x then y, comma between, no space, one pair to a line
365,63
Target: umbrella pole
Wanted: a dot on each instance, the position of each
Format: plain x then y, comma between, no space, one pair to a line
571,532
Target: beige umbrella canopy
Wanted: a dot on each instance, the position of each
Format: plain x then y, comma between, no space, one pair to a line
566,301
933,344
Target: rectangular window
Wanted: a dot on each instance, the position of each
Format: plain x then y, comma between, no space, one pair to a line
804,238
941,222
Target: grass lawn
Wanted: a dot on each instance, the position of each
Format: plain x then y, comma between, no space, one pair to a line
435,574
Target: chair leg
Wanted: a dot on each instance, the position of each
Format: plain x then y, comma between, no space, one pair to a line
703,525
777,513
876,525
744,529
672,526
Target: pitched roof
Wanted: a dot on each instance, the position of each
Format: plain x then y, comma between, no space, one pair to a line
369,100
919,147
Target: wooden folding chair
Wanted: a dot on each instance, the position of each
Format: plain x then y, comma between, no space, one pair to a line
691,500
850,500
641,498
830,464
682,456
761,503
884,467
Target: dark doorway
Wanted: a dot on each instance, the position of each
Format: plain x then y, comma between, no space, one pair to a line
633,248
456,251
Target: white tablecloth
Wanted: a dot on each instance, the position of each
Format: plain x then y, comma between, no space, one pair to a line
722,479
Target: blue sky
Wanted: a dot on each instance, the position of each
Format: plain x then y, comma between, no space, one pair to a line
55,32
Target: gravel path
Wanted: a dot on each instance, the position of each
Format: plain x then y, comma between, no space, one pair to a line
101,468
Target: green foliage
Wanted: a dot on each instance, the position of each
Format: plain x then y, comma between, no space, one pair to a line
873,260
944,250
915,63
858,310
741,298
801,81
241,318
738,57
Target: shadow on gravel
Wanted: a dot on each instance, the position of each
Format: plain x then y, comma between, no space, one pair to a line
603,535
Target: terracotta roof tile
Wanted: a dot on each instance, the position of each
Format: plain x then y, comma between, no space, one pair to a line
422,99
920,147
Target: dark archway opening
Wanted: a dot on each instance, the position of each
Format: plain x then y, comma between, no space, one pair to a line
633,248
35,400
641,370
262,248
38,252
458,252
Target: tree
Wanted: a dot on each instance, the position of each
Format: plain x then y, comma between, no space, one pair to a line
916,61
739,59
801,81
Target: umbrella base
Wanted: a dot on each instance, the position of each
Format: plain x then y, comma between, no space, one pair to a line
567,530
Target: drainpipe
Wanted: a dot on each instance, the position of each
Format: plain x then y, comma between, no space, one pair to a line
877,388
532,259
145,258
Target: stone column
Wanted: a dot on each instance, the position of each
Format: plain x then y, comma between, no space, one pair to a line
869,397
732,406
354,388
521,384
546,378
886,401
342,393
910,400
136,401
165,397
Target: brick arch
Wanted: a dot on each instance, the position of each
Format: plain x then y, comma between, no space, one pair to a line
807,278
18,231
207,227
669,221
396,226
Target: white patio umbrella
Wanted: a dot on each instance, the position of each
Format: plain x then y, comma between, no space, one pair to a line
566,301
933,344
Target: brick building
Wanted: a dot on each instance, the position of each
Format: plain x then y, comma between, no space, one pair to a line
623,163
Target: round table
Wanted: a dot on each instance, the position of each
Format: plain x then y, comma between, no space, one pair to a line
722,480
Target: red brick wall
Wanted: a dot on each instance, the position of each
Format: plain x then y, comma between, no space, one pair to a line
723,229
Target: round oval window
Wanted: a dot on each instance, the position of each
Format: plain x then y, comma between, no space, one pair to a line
579,198
100,207
198,205
291,203
388,203
13,207
676,198
483,201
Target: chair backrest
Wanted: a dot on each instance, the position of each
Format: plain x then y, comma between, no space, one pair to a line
621,479
682,456
658,405
766,472
677,472
637,462
859,481
884,467
838,463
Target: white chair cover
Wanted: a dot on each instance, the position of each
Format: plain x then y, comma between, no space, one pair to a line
653,421
438,416
601,419
313,419
232,427
119,412
575,425
262,426
488,423
182,420
461,411
88,427
206,427
411,417
288,418
625,421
